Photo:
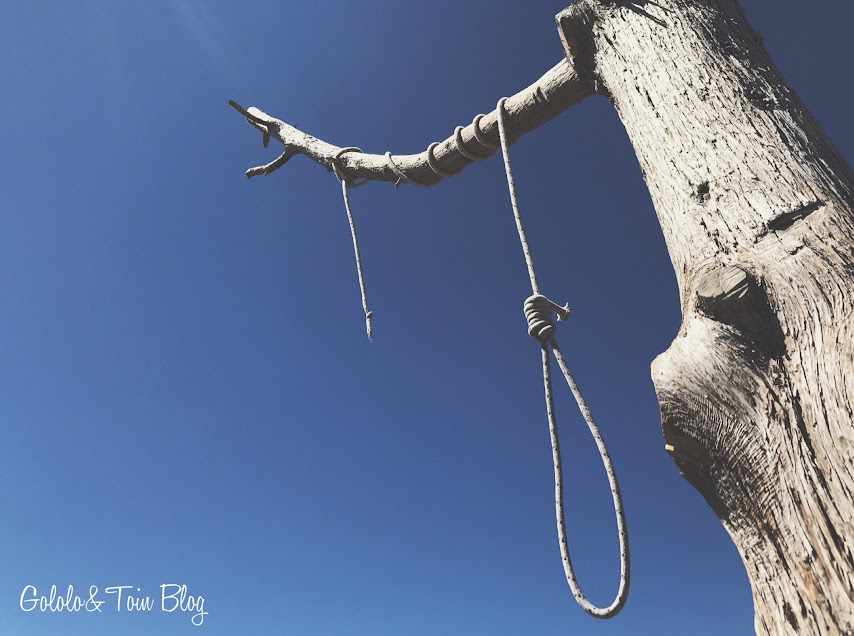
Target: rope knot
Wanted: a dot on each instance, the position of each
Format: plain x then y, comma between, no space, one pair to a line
339,171
538,313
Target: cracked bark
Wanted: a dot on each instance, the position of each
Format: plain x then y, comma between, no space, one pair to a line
757,390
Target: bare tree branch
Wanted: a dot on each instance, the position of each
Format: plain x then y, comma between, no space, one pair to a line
281,160
557,90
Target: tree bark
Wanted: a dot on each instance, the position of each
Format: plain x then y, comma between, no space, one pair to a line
757,390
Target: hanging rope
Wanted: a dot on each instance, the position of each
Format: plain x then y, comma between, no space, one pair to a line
538,311
346,184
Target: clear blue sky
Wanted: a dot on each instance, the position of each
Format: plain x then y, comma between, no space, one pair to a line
186,391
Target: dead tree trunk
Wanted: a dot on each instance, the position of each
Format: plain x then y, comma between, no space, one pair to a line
757,390
757,208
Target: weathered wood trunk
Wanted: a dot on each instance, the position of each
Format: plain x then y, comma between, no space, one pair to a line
757,390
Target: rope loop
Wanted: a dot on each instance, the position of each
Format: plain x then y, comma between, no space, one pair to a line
401,175
538,312
339,172
458,140
433,162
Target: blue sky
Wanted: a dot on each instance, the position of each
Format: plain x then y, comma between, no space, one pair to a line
186,390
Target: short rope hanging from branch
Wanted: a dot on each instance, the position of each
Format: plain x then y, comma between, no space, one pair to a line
346,185
538,310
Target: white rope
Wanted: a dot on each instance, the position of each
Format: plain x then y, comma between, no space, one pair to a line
433,163
401,175
478,133
538,311
458,140
346,184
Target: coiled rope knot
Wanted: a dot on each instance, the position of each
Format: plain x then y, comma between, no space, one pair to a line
538,312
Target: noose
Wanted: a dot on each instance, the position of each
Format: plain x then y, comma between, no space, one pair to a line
538,310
